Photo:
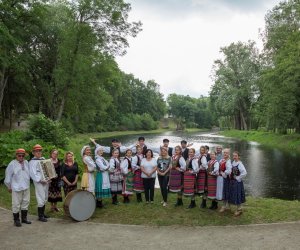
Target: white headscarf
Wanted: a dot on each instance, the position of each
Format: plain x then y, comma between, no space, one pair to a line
83,149
97,149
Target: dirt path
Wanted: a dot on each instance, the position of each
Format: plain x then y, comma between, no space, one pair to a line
66,234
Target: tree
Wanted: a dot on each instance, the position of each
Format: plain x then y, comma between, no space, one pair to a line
235,83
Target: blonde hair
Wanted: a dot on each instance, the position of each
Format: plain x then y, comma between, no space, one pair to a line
69,153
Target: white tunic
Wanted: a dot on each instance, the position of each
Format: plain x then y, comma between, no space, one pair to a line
124,165
103,165
17,176
91,166
41,189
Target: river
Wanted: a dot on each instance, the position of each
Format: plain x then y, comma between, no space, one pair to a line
271,172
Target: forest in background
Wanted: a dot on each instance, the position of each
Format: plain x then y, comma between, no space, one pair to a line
57,58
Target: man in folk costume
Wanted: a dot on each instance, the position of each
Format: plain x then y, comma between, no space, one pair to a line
115,144
141,143
17,180
185,150
41,186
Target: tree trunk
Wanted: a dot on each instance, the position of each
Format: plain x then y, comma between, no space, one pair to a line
243,121
3,82
61,108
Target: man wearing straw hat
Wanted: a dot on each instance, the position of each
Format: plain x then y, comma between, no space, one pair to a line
17,180
41,187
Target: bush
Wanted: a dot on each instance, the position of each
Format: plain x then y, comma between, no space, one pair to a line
137,122
11,141
43,128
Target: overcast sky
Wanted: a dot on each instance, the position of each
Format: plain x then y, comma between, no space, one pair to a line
182,38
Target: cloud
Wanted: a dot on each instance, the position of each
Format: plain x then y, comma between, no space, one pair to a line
182,38
184,8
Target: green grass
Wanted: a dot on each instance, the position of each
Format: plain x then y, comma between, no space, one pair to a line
289,142
256,211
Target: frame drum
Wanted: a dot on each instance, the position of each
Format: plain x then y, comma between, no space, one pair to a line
80,205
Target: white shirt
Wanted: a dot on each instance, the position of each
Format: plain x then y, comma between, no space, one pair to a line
148,167
182,162
125,164
216,166
195,165
241,168
17,176
203,162
34,169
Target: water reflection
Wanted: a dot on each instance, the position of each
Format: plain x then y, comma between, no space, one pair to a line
271,173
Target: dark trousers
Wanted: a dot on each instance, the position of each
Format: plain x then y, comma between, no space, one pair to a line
163,183
149,188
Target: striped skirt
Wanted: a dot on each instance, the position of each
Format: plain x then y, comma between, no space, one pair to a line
211,186
219,192
189,181
201,182
128,183
99,191
138,185
236,192
175,182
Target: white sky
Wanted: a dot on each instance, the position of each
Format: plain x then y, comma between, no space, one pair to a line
182,38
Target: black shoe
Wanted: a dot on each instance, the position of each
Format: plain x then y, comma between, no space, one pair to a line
45,216
179,202
41,215
24,217
17,222
203,204
192,205
99,204
139,197
215,205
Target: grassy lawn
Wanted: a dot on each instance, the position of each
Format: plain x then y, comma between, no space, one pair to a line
289,142
256,210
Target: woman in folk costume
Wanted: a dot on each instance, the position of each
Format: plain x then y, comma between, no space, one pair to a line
115,176
212,173
127,171
225,171
163,169
176,175
17,180
88,179
202,176
236,189
54,194
138,186
41,187
189,177
102,186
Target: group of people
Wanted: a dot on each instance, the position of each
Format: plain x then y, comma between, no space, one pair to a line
182,170
17,179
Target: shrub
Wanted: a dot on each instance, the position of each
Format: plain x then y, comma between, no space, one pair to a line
43,128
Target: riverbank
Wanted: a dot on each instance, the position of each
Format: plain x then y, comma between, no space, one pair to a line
256,211
290,142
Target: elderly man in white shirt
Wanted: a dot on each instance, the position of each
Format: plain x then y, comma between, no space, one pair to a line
41,186
17,180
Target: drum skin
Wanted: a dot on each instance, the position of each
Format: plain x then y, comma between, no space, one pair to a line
80,205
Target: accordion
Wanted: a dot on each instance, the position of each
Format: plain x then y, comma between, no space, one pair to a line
47,170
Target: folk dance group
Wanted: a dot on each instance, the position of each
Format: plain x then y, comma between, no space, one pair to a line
180,170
